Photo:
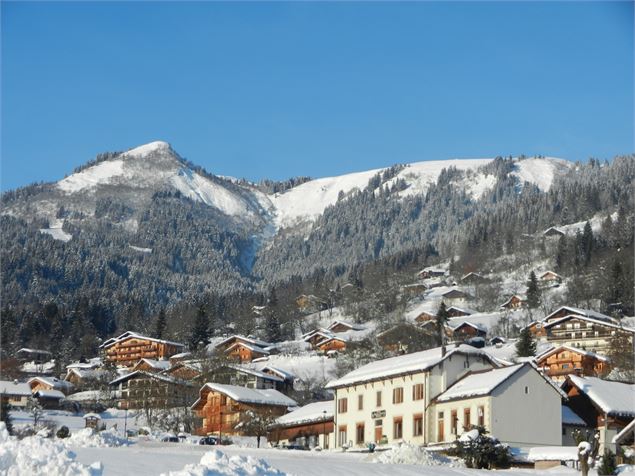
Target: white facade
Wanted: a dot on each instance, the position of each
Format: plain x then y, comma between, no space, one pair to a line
391,407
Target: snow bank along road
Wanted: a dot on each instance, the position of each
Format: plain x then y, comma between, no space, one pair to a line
148,458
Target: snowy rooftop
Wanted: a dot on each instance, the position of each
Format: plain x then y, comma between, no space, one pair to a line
10,387
592,320
583,312
251,395
129,334
478,384
157,364
612,397
53,382
569,417
49,394
248,340
403,364
87,395
311,413
570,348
257,373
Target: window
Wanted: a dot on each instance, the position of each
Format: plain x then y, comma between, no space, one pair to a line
526,389
417,425
417,391
440,427
453,422
397,426
359,433
342,435
481,416
342,405
467,419
360,402
397,395
379,398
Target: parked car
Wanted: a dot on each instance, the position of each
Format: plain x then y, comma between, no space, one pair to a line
208,440
170,439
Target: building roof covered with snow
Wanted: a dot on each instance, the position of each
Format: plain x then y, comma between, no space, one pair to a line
311,413
613,398
567,310
403,365
133,335
569,417
250,395
13,387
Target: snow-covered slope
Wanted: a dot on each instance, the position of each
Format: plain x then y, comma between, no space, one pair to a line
541,171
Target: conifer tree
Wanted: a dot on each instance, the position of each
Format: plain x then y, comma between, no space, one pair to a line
533,291
161,324
441,320
526,346
5,416
199,329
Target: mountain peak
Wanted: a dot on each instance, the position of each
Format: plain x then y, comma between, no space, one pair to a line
147,149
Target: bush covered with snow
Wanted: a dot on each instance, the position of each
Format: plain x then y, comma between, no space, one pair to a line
89,438
480,450
35,455
406,453
217,463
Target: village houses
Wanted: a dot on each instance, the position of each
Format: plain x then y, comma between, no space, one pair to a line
306,427
128,348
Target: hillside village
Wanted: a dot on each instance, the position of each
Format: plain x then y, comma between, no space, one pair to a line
432,378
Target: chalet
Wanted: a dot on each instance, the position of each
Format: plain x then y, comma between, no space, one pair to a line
466,330
287,377
571,424
536,329
564,360
498,340
310,303
514,302
491,398
426,316
316,336
387,401
180,357
128,348
579,331
550,277
245,352
151,365
141,389
414,289
564,311
553,232
234,339
185,370
431,272
80,377
49,399
400,337
473,278
36,356
307,427
223,408
456,294
603,405
248,378
344,326
332,344
50,383
454,311
14,392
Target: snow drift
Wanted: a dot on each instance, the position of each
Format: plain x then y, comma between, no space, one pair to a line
217,463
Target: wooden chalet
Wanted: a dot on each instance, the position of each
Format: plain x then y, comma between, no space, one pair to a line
151,365
142,389
50,383
180,357
307,427
550,277
14,392
310,303
400,337
426,316
587,333
473,278
565,360
431,272
244,352
553,232
247,377
331,344
414,289
222,408
287,377
185,370
456,294
565,311
49,399
37,356
85,377
537,329
467,330
128,348
454,311
316,336
344,326
514,302
603,405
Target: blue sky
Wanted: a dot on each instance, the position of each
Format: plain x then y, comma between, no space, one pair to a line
283,89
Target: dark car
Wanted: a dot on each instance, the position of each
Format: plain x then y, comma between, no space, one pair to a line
208,440
170,439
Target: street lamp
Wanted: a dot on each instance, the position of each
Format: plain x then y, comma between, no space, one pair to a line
325,443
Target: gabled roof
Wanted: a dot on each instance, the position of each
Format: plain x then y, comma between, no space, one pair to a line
485,382
142,373
86,373
26,350
403,365
549,272
472,274
627,431
311,413
281,373
587,319
522,299
570,348
252,347
256,373
9,387
54,382
49,394
131,335
478,327
583,312
155,364
350,325
249,395
613,398
455,293
464,310
553,229
246,340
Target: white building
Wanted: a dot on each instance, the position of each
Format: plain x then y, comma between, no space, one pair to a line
387,401
516,404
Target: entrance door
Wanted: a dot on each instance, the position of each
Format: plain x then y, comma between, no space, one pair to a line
378,434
